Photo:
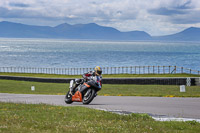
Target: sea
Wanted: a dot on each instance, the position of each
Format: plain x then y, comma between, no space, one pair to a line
61,53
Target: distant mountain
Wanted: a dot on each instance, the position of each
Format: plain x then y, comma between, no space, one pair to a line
189,34
78,31
89,31
8,29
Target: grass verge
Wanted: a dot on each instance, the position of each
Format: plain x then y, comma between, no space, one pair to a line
45,118
24,87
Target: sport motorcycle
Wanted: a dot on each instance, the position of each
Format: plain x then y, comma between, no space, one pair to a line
83,90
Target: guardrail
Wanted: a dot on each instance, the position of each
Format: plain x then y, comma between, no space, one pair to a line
190,81
106,70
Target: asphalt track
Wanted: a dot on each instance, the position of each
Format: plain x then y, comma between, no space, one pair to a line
154,106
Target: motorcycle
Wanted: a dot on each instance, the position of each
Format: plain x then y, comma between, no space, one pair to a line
83,90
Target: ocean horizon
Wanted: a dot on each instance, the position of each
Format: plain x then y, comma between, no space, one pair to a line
63,53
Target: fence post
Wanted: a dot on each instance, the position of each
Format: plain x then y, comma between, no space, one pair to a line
175,69
139,69
153,70
158,69
163,69
143,69
182,70
169,69
107,70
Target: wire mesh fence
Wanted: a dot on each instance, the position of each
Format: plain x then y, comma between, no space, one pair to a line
106,70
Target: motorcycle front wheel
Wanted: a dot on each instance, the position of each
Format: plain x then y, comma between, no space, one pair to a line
68,98
88,96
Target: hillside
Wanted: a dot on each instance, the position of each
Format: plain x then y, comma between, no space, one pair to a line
78,31
189,34
89,31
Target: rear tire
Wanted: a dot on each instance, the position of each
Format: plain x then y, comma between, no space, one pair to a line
68,98
87,99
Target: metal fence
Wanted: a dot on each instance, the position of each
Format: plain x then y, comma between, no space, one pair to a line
106,70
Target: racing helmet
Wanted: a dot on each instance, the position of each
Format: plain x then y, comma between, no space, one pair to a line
98,70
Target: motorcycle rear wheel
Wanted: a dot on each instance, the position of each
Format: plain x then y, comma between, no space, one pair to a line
87,98
68,98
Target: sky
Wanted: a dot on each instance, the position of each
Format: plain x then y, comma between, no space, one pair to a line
156,17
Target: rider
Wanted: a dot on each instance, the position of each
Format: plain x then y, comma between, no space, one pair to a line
87,76
97,72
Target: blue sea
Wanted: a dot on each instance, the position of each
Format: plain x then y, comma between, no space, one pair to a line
50,53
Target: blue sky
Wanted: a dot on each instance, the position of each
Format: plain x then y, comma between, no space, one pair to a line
157,17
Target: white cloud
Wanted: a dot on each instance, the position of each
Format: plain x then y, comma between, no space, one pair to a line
153,16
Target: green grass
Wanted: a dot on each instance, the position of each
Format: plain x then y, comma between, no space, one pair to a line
104,75
40,75
147,75
25,118
149,90
24,87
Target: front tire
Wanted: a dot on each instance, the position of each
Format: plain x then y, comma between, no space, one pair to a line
89,96
68,98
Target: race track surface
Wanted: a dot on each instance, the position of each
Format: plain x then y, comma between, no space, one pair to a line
155,106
